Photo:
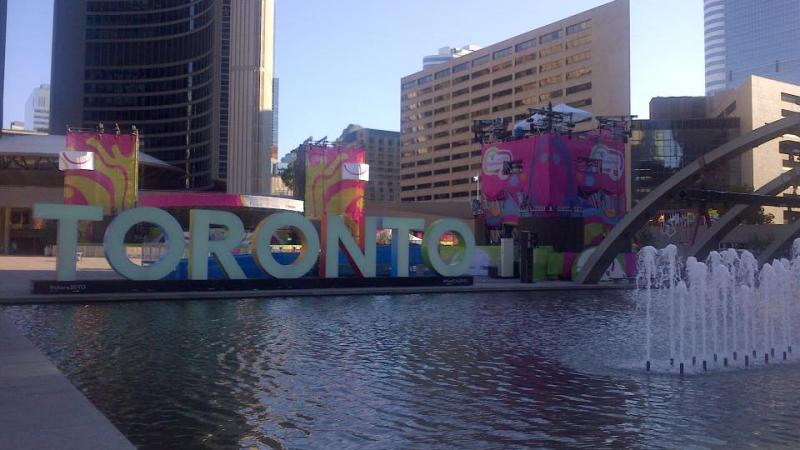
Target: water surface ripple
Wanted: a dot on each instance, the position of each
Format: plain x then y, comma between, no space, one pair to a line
435,371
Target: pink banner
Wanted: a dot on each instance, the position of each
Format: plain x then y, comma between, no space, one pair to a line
553,174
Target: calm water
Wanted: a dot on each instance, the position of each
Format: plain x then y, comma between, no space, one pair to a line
445,371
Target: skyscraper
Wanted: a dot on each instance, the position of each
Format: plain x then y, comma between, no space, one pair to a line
194,77
37,109
747,37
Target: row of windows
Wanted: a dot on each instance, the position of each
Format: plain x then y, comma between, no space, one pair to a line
158,30
554,79
569,60
156,52
502,53
145,17
122,6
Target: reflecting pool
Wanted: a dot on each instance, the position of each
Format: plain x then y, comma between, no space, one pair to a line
433,371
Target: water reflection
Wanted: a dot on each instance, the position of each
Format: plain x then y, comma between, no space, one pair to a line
447,371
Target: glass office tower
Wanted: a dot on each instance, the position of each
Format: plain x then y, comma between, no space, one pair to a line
748,37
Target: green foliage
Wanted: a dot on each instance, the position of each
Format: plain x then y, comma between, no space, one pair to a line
287,176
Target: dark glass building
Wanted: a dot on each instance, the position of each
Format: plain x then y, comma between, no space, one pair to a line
659,148
163,66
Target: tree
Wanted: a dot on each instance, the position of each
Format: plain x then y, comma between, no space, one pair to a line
287,176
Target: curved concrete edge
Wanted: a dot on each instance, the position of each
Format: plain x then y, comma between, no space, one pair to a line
711,238
490,286
638,215
780,243
40,408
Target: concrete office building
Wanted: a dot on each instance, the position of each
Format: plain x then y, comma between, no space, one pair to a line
195,78
756,102
583,61
37,109
383,156
747,37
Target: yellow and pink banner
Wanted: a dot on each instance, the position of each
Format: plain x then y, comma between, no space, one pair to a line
113,182
335,178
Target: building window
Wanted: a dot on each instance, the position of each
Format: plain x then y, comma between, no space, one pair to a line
789,98
552,50
441,196
502,53
425,80
578,27
502,66
502,107
578,57
551,65
408,84
501,80
460,67
525,58
554,79
551,95
441,171
526,87
440,147
577,73
461,104
577,42
441,184
480,73
503,93
525,102
525,73
460,92
481,99
442,73
424,186
460,169
550,37
579,88
581,103
480,86
481,60
526,45
423,198
460,181
482,112
440,86
460,79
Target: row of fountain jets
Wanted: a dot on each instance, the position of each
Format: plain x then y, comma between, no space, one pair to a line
724,312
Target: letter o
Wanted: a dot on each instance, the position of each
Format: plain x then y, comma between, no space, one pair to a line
114,243
430,247
263,254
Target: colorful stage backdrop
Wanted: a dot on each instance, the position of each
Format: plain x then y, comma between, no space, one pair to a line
113,183
553,174
335,184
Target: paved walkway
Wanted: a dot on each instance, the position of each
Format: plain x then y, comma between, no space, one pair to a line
16,274
39,408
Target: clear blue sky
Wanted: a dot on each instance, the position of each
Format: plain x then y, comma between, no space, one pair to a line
340,62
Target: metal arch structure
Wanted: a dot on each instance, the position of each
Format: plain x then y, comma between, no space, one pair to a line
725,224
781,242
615,241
